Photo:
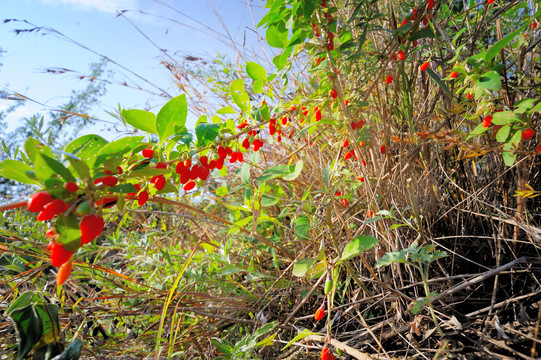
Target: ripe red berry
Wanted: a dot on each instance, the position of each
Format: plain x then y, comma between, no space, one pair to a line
160,182
51,209
389,79
345,143
219,164
424,66
490,2
454,74
318,115
401,55
334,94
64,273
204,160
325,354
533,25
59,255
319,313
142,198
469,96
148,153
348,155
361,179
538,149
161,165
382,149
221,152
430,4
38,200
528,134
189,185
109,180
344,202
487,121
257,144
203,172
91,226
240,157
71,187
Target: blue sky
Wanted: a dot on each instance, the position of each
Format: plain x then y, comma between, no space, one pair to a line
95,24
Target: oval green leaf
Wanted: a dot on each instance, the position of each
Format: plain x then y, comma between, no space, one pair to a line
171,119
301,267
256,71
358,245
140,119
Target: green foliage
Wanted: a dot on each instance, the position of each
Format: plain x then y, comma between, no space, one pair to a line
314,149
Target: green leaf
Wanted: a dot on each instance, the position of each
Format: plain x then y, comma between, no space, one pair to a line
68,229
503,133
422,34
171,119
86,148
245,173
309,7
80,167
509,156
48,314
490,80
358,245
267,201
117,148
295,171
16,170
123,188
239,95
25,299
32,147
524,105
418,305
300,336
302,226
206,133
226,110
47,167
275,38
301,267
72,352
438,81
140,119
391,258
146,172
222,191
504,118
256,71
479,129
268,341
495,49
273,173
29,329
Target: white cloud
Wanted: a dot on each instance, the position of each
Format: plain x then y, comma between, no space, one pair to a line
106,6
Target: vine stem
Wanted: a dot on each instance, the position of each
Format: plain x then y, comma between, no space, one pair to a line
14,205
